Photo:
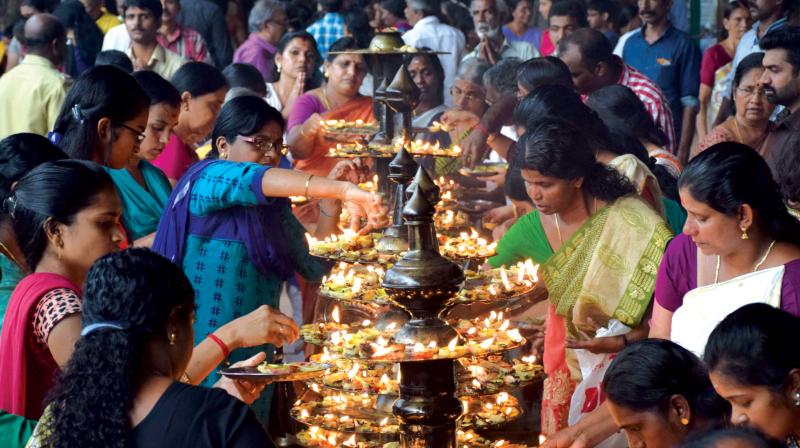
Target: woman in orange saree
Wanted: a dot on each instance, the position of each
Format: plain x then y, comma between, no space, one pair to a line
337,99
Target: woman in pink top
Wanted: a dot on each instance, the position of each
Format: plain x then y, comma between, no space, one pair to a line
203,89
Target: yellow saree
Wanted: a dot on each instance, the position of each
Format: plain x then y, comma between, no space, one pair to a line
607,270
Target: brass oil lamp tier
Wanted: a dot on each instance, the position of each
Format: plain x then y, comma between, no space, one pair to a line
423,283
401,172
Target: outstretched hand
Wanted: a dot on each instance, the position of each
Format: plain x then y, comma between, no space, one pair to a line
245,391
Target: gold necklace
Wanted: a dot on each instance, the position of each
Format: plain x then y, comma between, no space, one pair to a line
558,229
758,265
10,254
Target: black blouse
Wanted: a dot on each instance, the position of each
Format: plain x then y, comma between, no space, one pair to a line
198,417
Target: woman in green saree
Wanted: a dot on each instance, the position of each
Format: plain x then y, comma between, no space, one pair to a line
142,187
599,246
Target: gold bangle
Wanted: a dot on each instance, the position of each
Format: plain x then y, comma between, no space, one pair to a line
308,182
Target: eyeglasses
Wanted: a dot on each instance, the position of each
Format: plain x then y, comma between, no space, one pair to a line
469,96
139,135
749,92
265,146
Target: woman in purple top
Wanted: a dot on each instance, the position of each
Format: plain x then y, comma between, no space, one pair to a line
519,29
749,247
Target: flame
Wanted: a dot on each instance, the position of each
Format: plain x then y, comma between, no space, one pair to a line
432,344
353,371
529,359
356,285
492,290
542,439
476,383
487,343
505,325
452,345
304,413
384,379
418,347
366,323
335,314
384,421
504,278
514,335
502,398
351,441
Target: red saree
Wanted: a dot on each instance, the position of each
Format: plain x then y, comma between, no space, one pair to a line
27,376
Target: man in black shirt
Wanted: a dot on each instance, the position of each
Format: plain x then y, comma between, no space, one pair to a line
208,19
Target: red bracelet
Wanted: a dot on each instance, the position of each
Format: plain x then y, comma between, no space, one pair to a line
482,128
225,350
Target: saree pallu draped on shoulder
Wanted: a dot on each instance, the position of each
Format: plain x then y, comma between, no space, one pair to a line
318,163
606,270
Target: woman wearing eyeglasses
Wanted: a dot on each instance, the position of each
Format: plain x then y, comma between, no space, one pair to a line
142,187
103,117
230,227
750,125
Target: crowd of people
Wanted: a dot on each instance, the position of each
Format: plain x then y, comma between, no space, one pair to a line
148,149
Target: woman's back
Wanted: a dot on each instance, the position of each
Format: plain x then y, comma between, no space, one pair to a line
198,417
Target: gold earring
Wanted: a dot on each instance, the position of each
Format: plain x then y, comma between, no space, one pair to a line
172,338
744,233
684,421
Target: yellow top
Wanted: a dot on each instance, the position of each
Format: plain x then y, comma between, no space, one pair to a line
30,97
162,61
107,21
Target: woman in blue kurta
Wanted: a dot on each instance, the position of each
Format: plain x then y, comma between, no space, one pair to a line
142,187
227,222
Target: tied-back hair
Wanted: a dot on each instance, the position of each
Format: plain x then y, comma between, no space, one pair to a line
56,191
553,100
198,78
752,61
647,374
244,75
20,153
629,123
716,437
245,115
755,345
139,289
102,91
311,81
537,72
730,7
728,175
158,89
342,44
503,76
89,38
559,149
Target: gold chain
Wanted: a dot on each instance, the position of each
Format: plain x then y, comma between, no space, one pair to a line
738,131
758,265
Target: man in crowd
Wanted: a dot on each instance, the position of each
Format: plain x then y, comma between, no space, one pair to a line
669,57
330,27
566,16
267,24
104,19
208,19
601,17
142,19
592,64
781,82
183,41
429,32
769,15
32,92
493,45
